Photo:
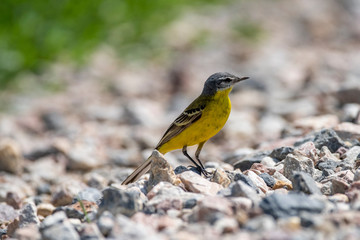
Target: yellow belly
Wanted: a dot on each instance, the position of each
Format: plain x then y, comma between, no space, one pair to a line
211,122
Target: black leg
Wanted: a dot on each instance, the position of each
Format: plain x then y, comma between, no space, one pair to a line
192,160
197,154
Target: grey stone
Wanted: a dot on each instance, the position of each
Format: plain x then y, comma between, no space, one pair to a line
106,223
165,196
241,189
120,201
297,163
260,223
325,137
7,213
269,180
281,153
58,227
126,229
248,161
245,179
286,205
63,231
329,164
352,155
53,120
161,171
180,169
28,215
303,182
90,231
195,183
89,194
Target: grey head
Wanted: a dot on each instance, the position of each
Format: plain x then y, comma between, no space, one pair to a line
220,81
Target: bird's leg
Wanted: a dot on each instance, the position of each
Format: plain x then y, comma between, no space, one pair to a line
184,150
197,154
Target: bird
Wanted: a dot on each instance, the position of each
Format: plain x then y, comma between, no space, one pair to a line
200,121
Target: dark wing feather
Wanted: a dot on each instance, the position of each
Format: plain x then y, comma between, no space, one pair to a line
188,117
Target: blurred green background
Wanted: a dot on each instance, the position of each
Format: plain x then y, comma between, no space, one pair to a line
36,33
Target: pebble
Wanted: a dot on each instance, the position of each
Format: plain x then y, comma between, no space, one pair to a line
161,171
249,160
58,227
120,201
195,183
295,163
28,215
211,209
7,213
106,223
241,189
269,180
45,209
10,156
220,177
258,181
303,182
281,153
287,205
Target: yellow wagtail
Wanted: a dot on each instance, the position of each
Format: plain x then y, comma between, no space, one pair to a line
200,121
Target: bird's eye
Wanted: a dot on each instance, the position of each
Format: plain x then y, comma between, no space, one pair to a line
227,80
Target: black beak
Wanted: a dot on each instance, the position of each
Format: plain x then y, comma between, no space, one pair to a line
239,79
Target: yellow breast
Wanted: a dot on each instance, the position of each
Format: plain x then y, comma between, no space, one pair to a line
211,122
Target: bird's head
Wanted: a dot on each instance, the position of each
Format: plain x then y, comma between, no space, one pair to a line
220,81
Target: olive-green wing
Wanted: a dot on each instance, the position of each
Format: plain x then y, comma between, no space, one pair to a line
190,115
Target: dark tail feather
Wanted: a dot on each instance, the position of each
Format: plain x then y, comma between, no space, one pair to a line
139,171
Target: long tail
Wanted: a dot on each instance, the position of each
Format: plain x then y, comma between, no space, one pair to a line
139,171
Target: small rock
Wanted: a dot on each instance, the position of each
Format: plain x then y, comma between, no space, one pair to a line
249,160
269,180
268,162
96,180
89,194
339,185
29,232
282,184
329,138
83,157
58,227
211,209
260,223
309,150
278,176
286,205
45,209
7,213
53,120
28,215
157,222
120,201
338,197
161,171
352,155
348,131
303,182
66,192
13,200
281,153
195,183
90,231
244,178
297,163
317,122
76,211
10,156
106,223
226,225
258,181
241,189
221,178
